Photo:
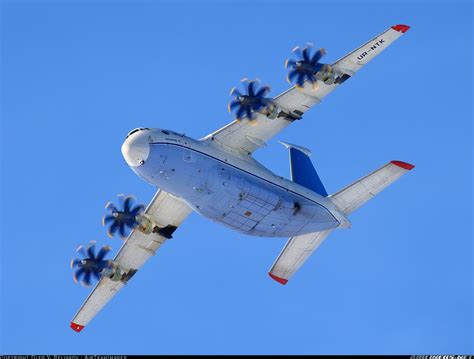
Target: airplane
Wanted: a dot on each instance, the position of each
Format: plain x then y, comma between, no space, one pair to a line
217,177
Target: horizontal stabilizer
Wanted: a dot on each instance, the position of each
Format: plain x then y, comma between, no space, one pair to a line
299,248
302,169
296,251
359,192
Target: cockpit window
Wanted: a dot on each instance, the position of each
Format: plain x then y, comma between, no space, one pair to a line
165,132
133,131
136,130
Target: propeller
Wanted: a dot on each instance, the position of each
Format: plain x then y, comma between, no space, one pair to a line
253,100
306,67
90,266
119,220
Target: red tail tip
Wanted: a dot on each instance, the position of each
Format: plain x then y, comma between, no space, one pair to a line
404,165
278,279
401,28
76,327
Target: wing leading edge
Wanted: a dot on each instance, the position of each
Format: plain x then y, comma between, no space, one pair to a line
244,137
165,210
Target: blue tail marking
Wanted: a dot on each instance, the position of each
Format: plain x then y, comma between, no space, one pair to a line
303,171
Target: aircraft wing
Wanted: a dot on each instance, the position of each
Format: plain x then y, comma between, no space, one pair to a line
245,137
164,210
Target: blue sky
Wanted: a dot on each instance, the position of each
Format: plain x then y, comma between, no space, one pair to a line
77,77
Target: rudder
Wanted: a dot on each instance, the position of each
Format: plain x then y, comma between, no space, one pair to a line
302,170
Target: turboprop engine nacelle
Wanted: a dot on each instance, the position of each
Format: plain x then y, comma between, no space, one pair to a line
271,111
114,272
145,224
327,75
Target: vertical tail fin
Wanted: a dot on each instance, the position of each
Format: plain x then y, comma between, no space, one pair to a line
302,169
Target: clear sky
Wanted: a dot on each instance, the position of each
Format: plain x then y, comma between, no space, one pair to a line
77,77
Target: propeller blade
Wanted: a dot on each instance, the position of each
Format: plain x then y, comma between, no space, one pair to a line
251,88
91,250
305,53
122,231
235,92
296,50
312,78
240,112
317,56
75,262
107,219
127,203
300,79
138,209
112,229
77,274
263,91
105,264
82,251
233,105
86,281
96,274
103,252
249,113
292,74
111,206
290,63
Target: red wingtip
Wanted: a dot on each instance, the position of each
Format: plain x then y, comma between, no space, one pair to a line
401,28
76,327
404,165
278,279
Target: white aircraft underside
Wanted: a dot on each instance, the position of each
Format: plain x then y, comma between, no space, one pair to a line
242,195
218,178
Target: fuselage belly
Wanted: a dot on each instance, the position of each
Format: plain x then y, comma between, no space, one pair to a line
221,190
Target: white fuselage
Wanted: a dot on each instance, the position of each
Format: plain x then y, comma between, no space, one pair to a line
228,187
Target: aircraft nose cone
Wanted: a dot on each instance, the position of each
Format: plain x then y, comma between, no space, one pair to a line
136,148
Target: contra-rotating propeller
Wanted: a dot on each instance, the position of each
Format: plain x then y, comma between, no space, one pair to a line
121,219
307,66
252,101
90,265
